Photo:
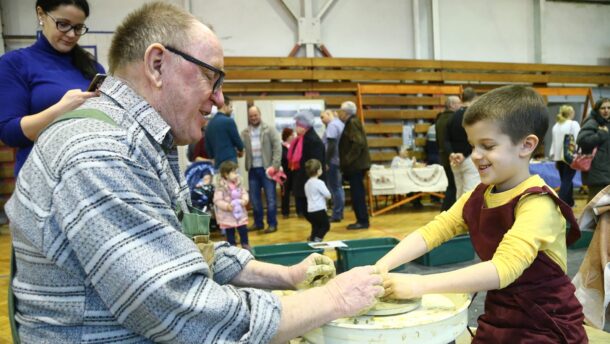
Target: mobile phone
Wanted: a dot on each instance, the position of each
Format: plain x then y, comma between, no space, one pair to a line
96,82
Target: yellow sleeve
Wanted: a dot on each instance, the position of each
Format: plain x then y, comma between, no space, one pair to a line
445,225
539,226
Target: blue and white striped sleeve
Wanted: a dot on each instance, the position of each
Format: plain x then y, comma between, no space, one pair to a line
120,225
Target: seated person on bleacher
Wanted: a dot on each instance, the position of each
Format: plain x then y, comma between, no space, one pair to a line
404,159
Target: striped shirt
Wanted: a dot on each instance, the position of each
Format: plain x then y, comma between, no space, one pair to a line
255,143
100,255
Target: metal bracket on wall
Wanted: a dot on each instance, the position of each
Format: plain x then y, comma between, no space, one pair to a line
309,28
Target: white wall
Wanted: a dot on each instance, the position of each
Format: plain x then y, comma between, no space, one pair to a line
472,30
576,32
481,30
249,28
369,28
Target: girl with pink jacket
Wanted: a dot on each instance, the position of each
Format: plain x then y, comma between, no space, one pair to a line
230,201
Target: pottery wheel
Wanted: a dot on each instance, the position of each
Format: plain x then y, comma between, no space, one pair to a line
393,307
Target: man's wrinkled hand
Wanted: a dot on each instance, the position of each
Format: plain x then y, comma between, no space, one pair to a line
355,291
314,271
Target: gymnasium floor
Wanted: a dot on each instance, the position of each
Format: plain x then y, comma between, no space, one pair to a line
397,223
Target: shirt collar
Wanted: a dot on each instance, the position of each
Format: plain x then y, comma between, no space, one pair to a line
142,112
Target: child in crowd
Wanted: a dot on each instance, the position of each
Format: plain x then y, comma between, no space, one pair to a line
404,159
203,193
517,225
317,194
230,201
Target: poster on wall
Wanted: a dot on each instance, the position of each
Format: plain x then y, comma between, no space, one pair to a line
407,135
285,110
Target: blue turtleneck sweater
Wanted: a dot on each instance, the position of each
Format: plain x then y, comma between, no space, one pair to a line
31,80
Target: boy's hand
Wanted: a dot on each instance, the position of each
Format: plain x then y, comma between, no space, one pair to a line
229,207
382,269
402,286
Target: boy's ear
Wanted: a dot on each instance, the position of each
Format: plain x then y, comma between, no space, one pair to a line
528,145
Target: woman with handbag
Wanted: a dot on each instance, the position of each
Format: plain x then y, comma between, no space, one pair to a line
594,134
565,132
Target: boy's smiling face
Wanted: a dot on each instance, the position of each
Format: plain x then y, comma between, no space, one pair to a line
498,160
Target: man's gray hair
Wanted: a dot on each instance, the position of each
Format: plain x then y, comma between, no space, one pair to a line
156,22
349,107
451,102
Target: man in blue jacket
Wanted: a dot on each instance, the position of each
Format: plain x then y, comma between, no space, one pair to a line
222,140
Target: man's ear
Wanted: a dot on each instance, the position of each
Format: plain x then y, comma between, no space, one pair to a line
528,145
153,63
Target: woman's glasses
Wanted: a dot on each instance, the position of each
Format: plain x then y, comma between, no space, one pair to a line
65,27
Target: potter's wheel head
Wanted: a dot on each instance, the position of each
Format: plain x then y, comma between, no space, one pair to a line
393,306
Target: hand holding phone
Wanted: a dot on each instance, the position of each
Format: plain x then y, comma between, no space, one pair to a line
97,81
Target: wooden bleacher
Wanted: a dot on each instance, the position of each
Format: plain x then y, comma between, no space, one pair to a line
335,80
394,92
383,121
327,75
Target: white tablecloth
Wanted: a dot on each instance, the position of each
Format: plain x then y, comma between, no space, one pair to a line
403,180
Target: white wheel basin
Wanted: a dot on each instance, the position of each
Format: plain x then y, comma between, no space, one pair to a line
440,319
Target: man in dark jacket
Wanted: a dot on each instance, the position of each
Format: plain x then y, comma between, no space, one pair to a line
354,161
465,173
222,140
452,104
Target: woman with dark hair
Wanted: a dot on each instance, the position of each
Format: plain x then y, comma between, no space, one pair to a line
47,79
594,134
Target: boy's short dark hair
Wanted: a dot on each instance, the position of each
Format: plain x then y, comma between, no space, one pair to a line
226,167
312,166
518,110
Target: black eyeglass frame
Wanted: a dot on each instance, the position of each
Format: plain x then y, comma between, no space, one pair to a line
76,27
218,83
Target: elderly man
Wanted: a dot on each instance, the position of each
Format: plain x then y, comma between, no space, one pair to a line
334,128
95,216
263,151
354,160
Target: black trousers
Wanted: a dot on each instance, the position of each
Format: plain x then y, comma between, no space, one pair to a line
450,192
566,188
286,191
319,224
358,196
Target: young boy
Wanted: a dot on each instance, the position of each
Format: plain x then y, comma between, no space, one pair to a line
317,194
516,226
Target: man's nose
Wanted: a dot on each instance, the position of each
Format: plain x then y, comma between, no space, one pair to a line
218,98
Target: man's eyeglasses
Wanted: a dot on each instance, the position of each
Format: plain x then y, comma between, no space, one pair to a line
219,75
65,27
